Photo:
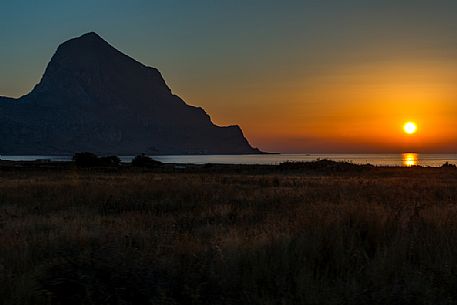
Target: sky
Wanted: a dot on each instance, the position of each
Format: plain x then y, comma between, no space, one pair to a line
297,76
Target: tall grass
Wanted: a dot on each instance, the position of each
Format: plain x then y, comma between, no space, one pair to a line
83,236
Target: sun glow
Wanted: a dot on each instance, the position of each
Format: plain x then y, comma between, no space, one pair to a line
410,159
410,128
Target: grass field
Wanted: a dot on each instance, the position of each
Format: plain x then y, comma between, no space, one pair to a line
229,235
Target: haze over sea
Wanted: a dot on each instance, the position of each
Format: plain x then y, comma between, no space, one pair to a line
405,159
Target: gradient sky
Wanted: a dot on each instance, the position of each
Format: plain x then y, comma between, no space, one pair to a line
297,76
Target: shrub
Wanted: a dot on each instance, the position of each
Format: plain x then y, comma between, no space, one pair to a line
449,165
109,161
323,165
87,159
145,161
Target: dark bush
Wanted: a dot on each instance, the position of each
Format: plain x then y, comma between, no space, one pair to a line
109,161
145,161
449,165
87,159
323,166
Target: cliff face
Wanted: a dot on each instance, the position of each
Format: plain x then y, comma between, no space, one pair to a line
94,98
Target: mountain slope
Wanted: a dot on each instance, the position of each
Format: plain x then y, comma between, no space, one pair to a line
94,98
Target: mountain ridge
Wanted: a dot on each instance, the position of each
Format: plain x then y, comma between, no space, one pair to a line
92,97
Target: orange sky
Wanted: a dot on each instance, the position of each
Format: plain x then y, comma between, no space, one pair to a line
297,76
356,108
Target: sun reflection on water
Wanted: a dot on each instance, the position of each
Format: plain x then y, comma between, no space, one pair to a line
410,159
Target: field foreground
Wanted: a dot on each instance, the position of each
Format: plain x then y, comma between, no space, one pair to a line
228,236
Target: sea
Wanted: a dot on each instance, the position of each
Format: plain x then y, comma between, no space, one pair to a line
403,159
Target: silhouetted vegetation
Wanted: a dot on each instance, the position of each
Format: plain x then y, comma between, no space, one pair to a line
324,165
129,236
109,161
145,161
449,165
87,159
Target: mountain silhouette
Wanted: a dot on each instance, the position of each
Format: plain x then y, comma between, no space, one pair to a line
94,98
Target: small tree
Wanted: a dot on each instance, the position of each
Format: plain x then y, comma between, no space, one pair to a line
85,159
145,161
449,165
109,161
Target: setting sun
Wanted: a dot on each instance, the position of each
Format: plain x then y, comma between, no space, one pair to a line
410,128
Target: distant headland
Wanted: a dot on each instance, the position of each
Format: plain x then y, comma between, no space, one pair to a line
94,98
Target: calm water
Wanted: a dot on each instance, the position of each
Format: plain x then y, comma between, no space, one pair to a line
407,159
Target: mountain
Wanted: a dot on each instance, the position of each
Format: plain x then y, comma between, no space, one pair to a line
94,98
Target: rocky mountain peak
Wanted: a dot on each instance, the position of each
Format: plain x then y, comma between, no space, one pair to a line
93,97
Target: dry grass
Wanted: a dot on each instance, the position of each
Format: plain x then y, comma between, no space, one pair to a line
380,236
